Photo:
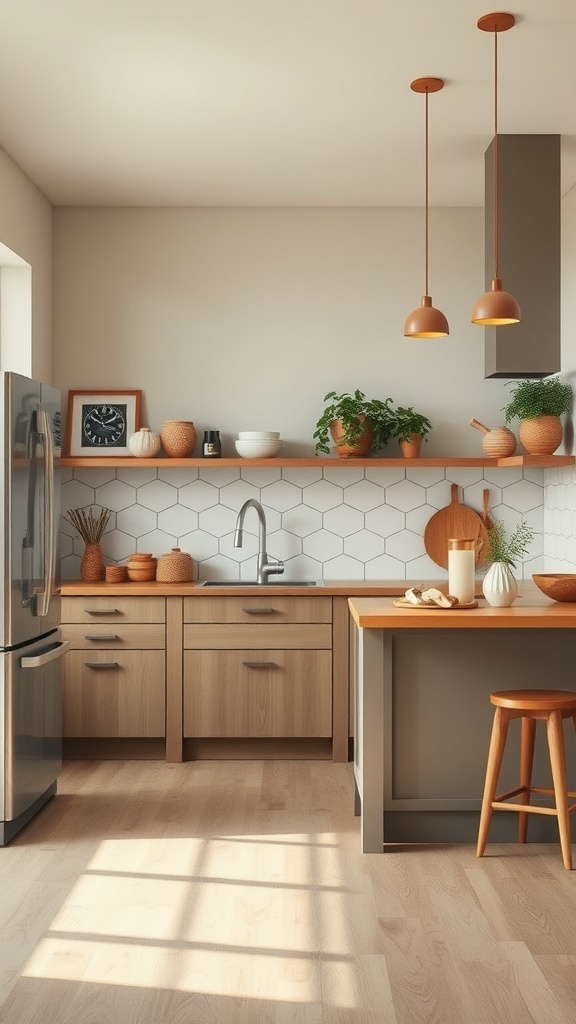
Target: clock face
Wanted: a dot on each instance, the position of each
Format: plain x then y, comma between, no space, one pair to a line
104,426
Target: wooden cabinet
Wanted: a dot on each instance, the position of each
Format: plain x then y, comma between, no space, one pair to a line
114,680
257,666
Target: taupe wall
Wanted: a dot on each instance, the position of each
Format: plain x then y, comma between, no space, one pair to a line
26,223
245,318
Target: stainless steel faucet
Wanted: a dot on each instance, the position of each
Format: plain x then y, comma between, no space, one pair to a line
265,567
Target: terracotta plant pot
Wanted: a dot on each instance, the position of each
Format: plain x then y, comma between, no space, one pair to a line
541,436
360,447
410,449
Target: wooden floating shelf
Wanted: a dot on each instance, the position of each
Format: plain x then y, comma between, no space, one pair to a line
129,462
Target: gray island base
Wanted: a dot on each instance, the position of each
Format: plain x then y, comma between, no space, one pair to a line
422,714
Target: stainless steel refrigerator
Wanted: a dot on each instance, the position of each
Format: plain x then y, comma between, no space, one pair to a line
31,647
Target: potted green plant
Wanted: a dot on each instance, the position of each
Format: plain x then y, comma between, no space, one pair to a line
410,428
499,586
357,425
539,404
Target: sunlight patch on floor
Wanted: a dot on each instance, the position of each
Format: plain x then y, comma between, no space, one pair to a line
258,916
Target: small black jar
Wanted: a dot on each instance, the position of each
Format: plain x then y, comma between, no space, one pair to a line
211,446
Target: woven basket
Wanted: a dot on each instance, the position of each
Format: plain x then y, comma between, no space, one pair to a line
541,436
175,567
178,438
116,574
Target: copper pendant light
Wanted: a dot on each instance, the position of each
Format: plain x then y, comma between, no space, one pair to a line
496,307
426,321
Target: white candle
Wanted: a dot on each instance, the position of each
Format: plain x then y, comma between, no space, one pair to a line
461,567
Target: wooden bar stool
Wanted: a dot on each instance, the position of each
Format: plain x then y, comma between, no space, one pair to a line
552,706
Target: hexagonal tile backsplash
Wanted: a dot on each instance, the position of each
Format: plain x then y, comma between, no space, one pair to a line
341,523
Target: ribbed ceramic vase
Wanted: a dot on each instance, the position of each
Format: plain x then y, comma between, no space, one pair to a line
144,444
92,564
499,586
178,438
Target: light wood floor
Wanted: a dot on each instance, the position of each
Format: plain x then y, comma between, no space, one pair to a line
235,893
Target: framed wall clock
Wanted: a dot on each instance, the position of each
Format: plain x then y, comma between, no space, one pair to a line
100,422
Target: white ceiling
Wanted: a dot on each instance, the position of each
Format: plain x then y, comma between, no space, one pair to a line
274,102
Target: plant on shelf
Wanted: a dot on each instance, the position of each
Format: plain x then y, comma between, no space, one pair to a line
410,428
357,425
539,404
509,549
499,586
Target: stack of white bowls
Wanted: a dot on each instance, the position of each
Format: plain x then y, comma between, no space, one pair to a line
258,444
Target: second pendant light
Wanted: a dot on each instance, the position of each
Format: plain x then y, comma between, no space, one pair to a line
496,307
426,321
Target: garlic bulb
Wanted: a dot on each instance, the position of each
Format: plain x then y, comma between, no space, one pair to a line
144,444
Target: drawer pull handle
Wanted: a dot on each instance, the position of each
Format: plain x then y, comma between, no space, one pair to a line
101,611
101,636
259,611
101,664
259,664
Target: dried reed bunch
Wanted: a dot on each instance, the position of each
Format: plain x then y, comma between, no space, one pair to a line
89,526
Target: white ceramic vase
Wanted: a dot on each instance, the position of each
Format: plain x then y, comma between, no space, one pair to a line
499,586
144,444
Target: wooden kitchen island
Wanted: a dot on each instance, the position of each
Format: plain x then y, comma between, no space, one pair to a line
422,715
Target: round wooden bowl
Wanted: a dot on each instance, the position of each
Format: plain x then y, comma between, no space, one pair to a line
560,586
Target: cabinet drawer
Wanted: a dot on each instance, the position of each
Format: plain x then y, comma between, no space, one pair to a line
255,694
108,609
114,693
253,635
110,635
258,608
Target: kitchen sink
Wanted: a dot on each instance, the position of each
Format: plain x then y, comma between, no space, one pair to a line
254,583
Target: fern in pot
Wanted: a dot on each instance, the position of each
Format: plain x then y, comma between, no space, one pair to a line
539,404
357,425
500,587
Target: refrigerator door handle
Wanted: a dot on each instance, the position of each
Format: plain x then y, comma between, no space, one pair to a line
43,598
37,660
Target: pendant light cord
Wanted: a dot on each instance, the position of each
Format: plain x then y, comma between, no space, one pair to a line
496,217
426,292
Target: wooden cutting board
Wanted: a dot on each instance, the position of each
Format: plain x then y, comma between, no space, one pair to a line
485,515
455,520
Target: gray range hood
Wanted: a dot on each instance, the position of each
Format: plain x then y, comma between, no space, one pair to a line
529,253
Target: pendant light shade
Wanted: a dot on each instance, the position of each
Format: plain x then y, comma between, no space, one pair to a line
496,307
426,321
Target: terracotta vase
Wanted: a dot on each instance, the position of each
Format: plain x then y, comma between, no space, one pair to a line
92,564
541,436
178,438
349,451
410,449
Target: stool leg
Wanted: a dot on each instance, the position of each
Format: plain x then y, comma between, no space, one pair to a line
495,753
558,764
526,761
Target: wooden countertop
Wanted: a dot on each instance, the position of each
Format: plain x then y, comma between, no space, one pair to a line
331,588
531,610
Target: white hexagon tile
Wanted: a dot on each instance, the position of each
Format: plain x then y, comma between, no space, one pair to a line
326,523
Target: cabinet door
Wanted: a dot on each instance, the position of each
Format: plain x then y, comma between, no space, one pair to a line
251,693
106,609
110,635
265,608
252,635
114,693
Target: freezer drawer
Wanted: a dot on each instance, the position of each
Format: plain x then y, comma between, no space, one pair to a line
32,727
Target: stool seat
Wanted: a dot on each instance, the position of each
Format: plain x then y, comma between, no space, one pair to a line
551,706
535,700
